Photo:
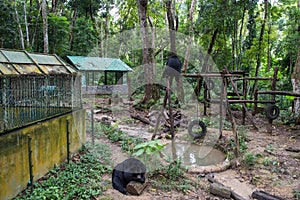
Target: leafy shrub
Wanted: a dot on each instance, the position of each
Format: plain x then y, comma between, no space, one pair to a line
79,179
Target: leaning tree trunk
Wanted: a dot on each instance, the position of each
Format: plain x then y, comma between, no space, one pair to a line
260,41
45,26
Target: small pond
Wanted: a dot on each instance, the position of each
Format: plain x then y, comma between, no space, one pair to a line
194,154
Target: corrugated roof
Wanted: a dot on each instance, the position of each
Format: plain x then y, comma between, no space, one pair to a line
83,63
21,62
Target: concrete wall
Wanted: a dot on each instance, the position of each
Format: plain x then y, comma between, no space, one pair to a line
105,89
48,145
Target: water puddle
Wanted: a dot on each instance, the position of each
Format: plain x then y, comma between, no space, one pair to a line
193,154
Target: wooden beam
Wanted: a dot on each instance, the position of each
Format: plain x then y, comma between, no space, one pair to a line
279,93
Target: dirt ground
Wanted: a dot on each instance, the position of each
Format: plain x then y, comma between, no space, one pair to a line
272,166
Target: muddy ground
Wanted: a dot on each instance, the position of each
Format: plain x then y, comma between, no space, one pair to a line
270,163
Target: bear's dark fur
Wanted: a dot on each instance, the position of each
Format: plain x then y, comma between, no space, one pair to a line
130,169
173,68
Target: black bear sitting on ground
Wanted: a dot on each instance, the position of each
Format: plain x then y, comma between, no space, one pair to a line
130,169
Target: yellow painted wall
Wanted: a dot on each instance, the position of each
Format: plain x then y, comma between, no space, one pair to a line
48,145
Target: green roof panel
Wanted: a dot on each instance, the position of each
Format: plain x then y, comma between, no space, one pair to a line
21,62
17,57
45,59
2,58
98,64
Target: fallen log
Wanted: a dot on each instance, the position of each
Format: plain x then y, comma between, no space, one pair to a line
220,190
140,118
136,188
261,195
293,149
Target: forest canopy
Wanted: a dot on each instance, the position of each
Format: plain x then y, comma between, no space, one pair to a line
250,35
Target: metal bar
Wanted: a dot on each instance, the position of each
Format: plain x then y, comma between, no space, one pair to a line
5,102
92,123
30,161
68,142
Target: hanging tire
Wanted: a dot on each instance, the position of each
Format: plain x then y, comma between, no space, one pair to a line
209,84
195,134
272,112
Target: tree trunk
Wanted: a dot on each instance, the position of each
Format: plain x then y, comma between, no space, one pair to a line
45,26
19,25
296,86
26,26
260,41
171,26
147,52
191,27
296,79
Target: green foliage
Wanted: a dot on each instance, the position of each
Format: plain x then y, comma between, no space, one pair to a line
249,159
147,148
296,193
287,117
170,177
128,143
80,179
59,28
84,37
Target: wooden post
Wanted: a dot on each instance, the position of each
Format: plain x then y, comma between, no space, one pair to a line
236,90
223,88
270,121
274,82
255,102
170,109
205,99
245,97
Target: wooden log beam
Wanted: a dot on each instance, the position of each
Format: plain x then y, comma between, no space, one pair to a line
136,188
261,195
209,75
232,101
276,92
142,119
253,79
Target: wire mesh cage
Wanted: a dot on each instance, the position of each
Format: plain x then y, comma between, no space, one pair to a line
35,87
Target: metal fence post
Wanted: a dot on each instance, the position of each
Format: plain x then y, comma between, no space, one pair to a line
68,142
30,161
93,128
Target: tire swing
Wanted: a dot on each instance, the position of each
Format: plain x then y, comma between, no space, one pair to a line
272,112
197,134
